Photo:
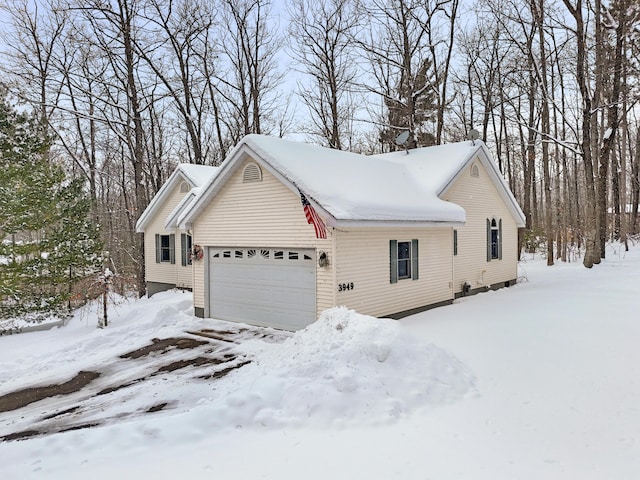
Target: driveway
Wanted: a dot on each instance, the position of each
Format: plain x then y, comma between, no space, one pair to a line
135,383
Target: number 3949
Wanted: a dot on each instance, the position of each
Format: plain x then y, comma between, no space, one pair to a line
342,287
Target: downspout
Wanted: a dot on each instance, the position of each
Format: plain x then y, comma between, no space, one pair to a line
191,231
453,268
332,264
177,253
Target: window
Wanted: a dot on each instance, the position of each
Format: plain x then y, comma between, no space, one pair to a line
455,242
403,259
494,239
251,173
186,247
165,248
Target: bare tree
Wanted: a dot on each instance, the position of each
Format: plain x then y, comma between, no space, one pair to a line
39,30
615,23
112,30
176,31
248,84
441,25
321,34
592,253
537,9
397,49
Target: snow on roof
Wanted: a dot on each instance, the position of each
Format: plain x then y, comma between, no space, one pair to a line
195,175
173,220
434,167
351,186
198,175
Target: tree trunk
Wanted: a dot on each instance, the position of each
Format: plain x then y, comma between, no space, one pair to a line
592,252
612,128
537,8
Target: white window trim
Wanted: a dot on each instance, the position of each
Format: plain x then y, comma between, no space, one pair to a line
171,248
394,261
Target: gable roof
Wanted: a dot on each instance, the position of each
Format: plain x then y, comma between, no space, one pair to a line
438,167
353,189
172,221
194,175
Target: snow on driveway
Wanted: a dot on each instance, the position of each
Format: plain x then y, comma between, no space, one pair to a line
538,381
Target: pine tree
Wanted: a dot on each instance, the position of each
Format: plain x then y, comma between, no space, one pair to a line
47,239
411,107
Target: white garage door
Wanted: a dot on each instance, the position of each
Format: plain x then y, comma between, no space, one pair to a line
273,287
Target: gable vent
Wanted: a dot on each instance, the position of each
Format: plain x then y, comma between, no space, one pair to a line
251,173
475,171
184,187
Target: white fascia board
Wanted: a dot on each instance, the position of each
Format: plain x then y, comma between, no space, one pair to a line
326,216
395,224
160,197
329,219
445,187
172,221
485,157
242,153
228,168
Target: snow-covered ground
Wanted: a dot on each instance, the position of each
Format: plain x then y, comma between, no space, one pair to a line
538,381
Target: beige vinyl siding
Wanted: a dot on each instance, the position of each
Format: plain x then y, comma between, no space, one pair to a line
165,272
362,257
184,274
259,214
481,201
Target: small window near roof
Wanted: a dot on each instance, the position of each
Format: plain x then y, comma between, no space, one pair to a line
184,187
475,171
251,173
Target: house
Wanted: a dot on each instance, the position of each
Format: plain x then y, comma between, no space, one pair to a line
289,229
167,248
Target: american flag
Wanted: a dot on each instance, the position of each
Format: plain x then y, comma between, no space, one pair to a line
313,217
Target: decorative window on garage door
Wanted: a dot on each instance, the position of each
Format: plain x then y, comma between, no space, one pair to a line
263,255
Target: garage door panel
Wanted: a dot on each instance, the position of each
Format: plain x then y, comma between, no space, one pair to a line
239,293
274,287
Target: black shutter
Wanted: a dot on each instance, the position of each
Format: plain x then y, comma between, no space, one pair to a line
172,248
393,260
183,249
455,242
158,249
500,239
414,259
488,240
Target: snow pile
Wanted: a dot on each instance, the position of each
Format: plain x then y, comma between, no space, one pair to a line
347,369
555,359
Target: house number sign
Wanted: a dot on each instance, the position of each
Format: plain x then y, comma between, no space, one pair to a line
343,287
